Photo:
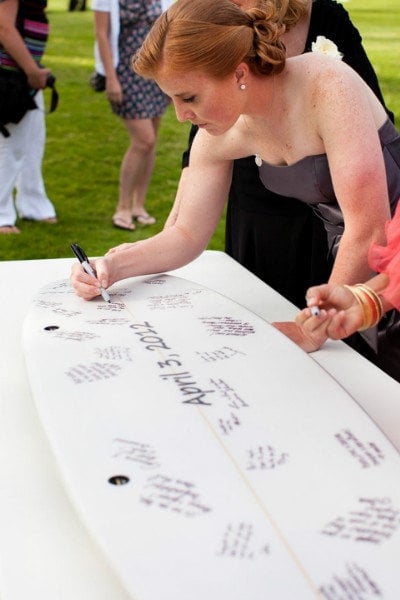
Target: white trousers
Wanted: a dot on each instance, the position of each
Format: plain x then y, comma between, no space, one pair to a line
21,157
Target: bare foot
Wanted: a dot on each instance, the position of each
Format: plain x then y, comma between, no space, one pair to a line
9,229
46,220
49,220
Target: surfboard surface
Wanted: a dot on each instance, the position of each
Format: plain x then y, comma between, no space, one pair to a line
208,456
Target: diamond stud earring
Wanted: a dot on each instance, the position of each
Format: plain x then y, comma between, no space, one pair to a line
242,86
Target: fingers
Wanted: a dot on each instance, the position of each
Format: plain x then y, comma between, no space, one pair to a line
317,295
86,286
114,91
103,273
308,318
336,328
115,97
38,78
315,328
334,324
297,334
345,323
333,311
308,340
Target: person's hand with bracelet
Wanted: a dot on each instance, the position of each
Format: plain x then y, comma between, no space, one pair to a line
344,309
338,311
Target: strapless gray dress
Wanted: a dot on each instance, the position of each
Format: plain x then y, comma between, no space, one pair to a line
309,180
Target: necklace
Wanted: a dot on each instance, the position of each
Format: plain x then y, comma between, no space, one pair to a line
257,157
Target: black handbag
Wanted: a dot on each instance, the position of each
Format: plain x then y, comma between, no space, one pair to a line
16,98
97,82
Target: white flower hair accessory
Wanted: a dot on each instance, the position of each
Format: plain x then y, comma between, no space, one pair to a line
325,46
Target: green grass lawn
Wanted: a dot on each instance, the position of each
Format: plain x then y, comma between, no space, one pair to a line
85,141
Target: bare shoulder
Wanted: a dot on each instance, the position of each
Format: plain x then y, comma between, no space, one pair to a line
332,85
322,69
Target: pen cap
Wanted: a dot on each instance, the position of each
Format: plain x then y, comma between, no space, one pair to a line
79,253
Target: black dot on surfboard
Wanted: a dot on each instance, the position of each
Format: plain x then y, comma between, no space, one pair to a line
118,480
51,327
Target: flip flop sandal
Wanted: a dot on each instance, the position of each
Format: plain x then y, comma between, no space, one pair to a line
144,219
121,223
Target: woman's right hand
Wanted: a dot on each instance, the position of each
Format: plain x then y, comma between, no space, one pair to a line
37,78
86,286
114,90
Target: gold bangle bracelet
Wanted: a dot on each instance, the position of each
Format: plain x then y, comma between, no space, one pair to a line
369,302
375,298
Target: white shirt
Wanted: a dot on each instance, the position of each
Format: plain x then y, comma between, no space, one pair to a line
112,7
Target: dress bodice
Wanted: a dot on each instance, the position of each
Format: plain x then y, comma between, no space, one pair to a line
309,180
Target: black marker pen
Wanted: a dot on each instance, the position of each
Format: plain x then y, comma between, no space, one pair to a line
83,259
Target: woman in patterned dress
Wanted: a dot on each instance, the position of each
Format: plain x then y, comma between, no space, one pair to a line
139,102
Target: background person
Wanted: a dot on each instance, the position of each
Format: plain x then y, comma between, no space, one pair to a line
120,29
23,37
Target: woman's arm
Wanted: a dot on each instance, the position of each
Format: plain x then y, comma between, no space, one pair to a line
102,25
174,212
185,163
200,208
348,117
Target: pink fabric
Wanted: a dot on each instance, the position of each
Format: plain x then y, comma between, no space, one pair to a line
386,259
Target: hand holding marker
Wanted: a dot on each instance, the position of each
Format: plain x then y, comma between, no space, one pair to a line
83,259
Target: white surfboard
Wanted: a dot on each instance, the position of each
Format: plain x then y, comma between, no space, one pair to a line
209,457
